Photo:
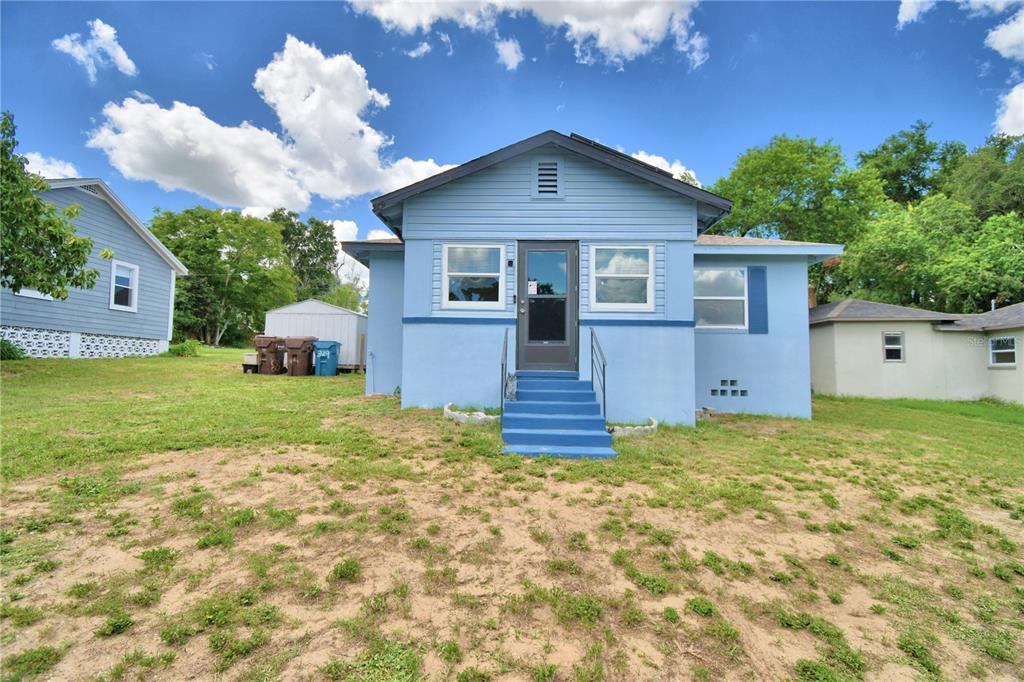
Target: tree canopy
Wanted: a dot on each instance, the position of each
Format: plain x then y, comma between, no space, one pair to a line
39,248
238,269
991,178
311,251
910,165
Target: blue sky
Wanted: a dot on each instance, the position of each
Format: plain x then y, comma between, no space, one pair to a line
341,111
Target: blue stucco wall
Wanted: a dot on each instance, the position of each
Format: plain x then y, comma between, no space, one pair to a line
773,368
384,324
88,310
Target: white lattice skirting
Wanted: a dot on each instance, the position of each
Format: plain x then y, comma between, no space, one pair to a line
51,343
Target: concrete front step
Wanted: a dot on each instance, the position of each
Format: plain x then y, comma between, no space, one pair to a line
571,452
551,407
557,437
544,420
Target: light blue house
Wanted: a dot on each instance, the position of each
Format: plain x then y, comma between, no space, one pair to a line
129,311
576,281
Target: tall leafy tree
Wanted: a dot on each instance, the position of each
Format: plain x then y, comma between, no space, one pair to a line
796,188
348,294
311,250
991,269
910,165
991,178
238,270
39,247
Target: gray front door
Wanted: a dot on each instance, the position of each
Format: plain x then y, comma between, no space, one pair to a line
547,305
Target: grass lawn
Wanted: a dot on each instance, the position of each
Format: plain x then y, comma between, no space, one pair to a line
172,518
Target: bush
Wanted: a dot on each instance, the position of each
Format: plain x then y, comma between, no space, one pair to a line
189,348
10,350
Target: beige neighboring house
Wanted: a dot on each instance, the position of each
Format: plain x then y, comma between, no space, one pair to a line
889,351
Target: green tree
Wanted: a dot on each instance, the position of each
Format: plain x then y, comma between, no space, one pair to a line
910,165
39,248
991,178
348,294
311,250
795,188
237,271
992,268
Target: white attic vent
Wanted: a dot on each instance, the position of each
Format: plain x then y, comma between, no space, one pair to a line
90,188
547,180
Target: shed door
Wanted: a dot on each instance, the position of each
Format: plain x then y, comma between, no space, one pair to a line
547,329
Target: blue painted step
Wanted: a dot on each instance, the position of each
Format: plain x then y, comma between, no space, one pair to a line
590,438
553,385
552,407
570,452
543,420
541,374
557,396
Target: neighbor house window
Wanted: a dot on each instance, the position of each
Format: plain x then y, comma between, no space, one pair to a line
720,297
1002,351
473,277
892,346
32,293
124,286
622,278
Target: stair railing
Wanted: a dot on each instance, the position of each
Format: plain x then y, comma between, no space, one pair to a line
504,373
597,360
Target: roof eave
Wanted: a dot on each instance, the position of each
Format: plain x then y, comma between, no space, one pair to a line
814,253
361,250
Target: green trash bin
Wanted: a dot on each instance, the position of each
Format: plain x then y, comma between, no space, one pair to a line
325,358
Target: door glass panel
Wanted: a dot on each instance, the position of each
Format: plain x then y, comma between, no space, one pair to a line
548,270
547,319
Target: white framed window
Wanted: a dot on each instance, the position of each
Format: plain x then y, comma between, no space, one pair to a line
547,179
622,277
1002,351
893,346
472,276
32,293
720,298
124,286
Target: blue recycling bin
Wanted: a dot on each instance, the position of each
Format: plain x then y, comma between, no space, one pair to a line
325,358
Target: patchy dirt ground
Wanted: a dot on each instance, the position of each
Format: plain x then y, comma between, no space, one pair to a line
398,546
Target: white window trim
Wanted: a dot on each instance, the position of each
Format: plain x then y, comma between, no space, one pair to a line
29,292
595,306
134,307
902,346
472,305
991,353
559,167
745,298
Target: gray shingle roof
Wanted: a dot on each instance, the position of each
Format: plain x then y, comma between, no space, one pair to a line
726,240
1000,318
858,310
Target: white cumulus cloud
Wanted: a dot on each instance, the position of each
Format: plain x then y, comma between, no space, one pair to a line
509,53
327,147
421,50
912,10
1010,117
676,168
49,167
1008,38
99,49
380,234
613,31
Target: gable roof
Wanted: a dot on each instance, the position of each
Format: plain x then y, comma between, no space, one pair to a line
858,310
1007,317
316,307
100,188
578,144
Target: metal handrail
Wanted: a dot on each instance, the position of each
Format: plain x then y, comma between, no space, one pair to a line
504,372
597,354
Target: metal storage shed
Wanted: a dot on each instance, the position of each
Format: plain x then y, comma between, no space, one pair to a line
324,321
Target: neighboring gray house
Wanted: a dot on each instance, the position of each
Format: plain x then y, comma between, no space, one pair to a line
890,351
129,311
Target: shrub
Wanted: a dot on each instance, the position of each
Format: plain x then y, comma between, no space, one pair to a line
10,351
189,348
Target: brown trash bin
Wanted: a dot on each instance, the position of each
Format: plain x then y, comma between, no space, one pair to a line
270,354
300,355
